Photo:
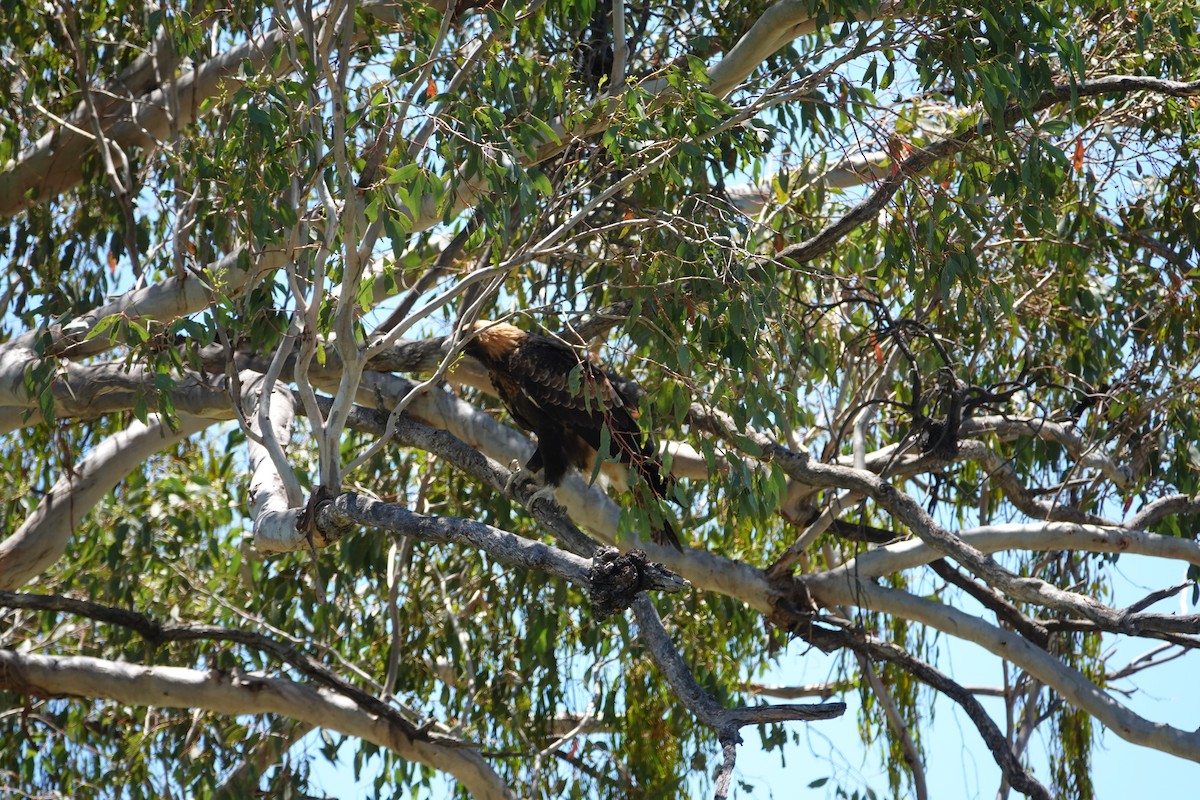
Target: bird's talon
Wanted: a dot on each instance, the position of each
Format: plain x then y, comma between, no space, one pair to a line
518,474
544,493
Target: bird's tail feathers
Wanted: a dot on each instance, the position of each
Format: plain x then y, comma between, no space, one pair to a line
657,487
666,536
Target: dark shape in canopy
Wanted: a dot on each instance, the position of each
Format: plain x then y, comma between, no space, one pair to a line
532,374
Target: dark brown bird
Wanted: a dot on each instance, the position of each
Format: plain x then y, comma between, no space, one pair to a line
567,402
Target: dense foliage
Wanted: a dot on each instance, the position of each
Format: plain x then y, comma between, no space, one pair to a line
906,288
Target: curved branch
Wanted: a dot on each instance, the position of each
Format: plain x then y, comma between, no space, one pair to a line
780,24
42,538
156,633
1162,508
824,240
1002,474
276,498
1037,536
237,694
1086,455
702,704
1068,682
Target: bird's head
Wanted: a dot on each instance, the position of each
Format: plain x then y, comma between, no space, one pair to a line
491,341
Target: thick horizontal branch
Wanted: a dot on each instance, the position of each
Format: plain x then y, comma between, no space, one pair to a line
350,509
157,633
821,690
90,391
612,580
238,694
1042,537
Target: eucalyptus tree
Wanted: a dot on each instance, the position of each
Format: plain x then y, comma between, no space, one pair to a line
904,291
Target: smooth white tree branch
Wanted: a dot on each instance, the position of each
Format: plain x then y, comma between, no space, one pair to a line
1010,646
780,24
43,536
853,170
619,45
236,693
88,391
276,498
168,300
1037,536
